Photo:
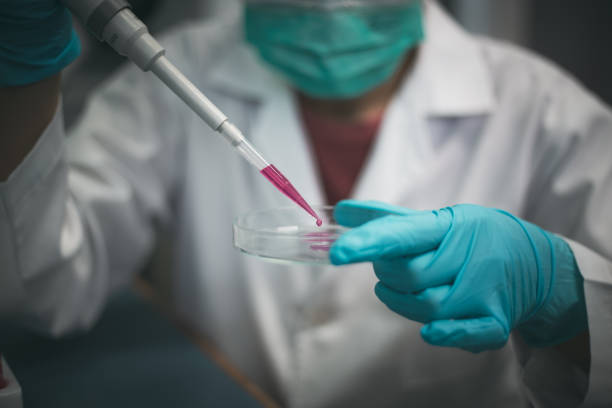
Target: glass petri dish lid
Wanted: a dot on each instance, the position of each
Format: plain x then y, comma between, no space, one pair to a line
287,234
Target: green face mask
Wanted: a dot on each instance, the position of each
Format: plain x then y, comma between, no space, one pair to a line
334,54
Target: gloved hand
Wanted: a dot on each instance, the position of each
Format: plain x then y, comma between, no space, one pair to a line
471,273
36,40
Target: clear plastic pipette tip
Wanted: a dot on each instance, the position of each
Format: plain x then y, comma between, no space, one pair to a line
246,150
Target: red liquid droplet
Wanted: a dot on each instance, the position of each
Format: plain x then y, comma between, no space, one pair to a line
285,186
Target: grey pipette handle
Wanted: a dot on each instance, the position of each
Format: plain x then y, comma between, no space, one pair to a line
112,21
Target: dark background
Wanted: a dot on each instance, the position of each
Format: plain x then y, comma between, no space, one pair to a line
575,34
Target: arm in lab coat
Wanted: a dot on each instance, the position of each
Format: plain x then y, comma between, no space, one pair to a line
571,194
78,215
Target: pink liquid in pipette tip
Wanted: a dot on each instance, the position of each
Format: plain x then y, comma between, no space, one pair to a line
281,182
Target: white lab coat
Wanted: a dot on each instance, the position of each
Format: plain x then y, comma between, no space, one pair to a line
476,122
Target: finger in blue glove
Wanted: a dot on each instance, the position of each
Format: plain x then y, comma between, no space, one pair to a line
371,245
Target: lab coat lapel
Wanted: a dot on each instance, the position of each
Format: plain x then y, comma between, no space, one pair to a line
450,79
399,152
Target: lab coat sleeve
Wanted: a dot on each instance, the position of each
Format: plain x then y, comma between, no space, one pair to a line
571,194
78,216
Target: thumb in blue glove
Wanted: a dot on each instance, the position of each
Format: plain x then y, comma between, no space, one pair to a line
37,40
471,274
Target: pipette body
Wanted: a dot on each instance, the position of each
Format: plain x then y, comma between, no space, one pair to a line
113,21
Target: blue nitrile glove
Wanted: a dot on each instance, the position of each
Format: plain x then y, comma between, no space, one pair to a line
471,273
36,40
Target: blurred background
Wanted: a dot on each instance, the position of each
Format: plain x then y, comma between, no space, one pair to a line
574,34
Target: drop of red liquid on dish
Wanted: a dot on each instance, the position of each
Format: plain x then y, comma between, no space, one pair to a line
280,181
320,241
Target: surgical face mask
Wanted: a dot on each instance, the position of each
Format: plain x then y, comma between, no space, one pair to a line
334,52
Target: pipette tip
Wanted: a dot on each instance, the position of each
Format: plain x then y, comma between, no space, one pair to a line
284,185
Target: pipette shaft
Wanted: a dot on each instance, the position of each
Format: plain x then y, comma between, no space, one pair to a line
205,109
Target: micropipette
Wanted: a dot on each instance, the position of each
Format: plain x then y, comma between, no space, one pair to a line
113,21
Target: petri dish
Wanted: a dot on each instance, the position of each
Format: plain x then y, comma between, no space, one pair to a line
287,234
